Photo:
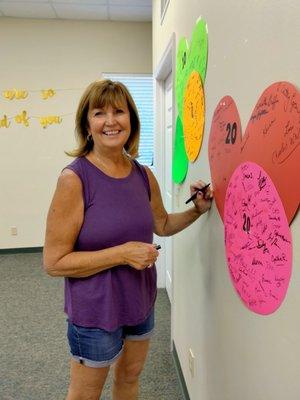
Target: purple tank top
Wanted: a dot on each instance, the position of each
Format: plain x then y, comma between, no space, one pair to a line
116,211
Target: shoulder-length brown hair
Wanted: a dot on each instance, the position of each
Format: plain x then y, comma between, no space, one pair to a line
100,94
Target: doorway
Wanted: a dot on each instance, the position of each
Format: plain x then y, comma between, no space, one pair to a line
164,122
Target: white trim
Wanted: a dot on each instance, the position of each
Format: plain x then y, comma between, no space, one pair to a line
164,11
165,66
167,61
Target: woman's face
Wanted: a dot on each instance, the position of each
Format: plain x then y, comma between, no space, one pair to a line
109,126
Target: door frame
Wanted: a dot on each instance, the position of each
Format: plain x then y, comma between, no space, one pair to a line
166,65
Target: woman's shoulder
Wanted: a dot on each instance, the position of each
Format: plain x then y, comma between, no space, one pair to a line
69,183
145,169
72,172
76,163
139,165
145,172
77,166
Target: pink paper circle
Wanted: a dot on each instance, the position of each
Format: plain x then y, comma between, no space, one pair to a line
257,239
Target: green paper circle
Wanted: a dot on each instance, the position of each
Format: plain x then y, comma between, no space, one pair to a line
180,160
190,58
181,77
198,49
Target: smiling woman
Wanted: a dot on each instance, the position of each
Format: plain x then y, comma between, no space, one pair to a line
97,98
109,130
100,238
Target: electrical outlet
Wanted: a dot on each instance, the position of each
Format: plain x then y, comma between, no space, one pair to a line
191,363
13,230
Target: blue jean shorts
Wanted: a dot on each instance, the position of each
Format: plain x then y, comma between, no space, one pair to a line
95,347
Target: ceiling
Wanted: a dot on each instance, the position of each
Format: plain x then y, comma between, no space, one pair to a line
103,10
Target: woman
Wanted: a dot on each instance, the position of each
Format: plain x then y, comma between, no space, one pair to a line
99,237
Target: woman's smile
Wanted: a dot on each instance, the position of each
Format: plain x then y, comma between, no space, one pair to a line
111,133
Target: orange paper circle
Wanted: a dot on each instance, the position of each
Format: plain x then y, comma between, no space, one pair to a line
193,115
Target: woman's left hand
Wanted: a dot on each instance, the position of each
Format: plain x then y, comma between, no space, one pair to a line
203,200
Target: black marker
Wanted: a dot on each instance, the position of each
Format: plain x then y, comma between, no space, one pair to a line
157,246
203,190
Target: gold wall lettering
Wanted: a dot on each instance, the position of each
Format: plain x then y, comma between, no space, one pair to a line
8,94
46,94
22,118
4,123
21,94
15,94
49,120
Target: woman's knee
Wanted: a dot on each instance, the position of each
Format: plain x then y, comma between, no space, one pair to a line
129,374
86,392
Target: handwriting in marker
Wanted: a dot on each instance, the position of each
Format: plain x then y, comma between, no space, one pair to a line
257,239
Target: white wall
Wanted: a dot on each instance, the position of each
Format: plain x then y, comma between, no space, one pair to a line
41,54
239,354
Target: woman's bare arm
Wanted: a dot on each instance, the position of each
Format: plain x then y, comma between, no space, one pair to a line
168,224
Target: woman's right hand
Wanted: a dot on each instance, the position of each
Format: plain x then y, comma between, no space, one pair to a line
139,255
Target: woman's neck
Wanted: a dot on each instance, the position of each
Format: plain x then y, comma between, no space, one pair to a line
109,158
115,164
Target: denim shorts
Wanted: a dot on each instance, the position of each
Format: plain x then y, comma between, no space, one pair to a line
95,347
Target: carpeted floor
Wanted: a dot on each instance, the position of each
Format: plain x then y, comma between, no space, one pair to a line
34,355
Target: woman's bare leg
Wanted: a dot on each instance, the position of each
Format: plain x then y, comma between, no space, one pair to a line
86,383
128,369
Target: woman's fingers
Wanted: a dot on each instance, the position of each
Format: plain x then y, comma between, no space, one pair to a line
141,255
207,194
197,185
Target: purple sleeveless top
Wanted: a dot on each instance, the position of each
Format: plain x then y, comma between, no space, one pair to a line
116,211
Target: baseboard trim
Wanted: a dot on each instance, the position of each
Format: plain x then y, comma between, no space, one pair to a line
22,250
179,373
